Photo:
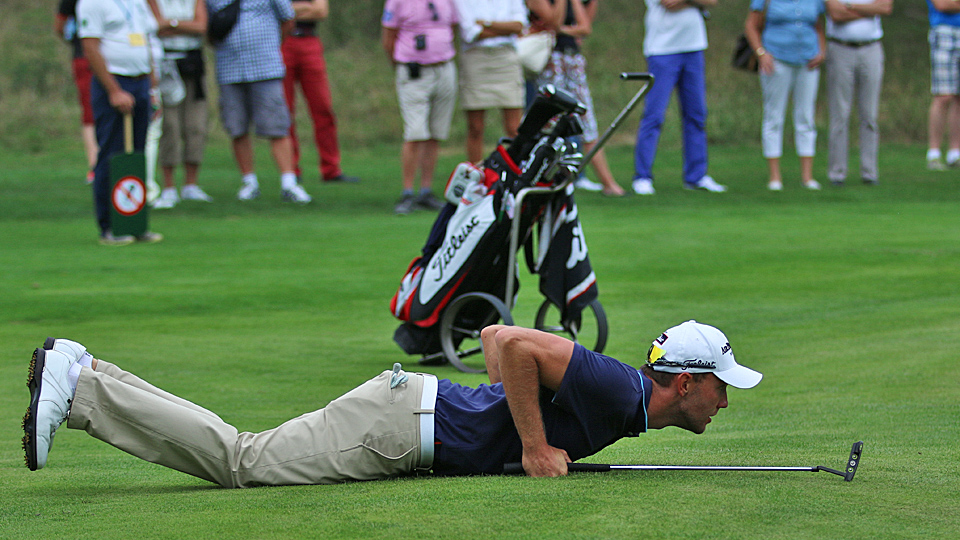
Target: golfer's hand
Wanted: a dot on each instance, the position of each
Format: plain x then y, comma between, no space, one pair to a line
122,101
549,461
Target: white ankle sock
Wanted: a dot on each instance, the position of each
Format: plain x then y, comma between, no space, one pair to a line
933,154
250,178
953,155
288,180
74,376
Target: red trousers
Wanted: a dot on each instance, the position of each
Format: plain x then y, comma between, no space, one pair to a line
303,56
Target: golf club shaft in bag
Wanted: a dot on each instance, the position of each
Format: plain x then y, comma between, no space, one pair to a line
849,471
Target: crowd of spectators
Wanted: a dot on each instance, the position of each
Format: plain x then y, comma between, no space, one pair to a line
445,51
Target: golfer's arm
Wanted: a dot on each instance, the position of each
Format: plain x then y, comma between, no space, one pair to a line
528,359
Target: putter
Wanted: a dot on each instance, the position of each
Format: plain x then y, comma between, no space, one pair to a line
847,473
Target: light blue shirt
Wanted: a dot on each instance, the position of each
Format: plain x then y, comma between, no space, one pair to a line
790,33
939,18
251,52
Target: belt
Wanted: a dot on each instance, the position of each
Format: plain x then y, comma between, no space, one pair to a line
303,32
428,402
854,44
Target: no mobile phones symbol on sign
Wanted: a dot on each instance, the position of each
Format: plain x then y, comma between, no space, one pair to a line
129,196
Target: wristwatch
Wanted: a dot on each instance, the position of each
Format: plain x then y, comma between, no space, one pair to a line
174,23
760,52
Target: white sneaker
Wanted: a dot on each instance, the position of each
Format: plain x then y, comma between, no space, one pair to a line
935,165
587,184
248,192
775,185
295,194
708,184
50,398
192,192
812,185
643,186
168,199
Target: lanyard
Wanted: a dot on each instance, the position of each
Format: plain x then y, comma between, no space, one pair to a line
126,12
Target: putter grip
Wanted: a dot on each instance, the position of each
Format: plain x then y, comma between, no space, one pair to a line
517,468
634,76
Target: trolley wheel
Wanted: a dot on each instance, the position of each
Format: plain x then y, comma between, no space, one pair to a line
589,328
462,322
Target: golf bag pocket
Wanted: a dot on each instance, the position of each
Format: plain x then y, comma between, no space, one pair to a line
463,183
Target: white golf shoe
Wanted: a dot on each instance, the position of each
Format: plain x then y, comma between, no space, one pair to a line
70,348
50,398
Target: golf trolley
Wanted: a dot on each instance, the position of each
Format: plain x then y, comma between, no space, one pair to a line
522,195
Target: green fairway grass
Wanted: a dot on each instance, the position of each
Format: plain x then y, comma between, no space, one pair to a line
848,301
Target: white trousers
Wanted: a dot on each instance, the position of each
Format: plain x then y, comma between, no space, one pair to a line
802,83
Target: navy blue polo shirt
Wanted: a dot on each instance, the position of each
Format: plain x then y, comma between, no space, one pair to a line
600,400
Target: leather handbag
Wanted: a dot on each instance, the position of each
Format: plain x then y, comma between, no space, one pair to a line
744,57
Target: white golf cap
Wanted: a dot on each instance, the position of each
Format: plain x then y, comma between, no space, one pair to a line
699,348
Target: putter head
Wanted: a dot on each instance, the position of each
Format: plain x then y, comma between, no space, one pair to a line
850,468
854,461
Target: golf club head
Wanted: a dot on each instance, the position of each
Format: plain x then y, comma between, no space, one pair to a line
850,468
854,461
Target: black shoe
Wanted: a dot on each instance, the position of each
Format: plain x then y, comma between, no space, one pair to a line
405,205
837,183
429,201
870,182
343,179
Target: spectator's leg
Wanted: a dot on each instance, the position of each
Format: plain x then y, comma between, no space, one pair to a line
692,95
868,102
804,111
316,92
841,74
291,60
665,72
475,127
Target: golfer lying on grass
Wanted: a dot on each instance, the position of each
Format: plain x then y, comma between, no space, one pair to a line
550,401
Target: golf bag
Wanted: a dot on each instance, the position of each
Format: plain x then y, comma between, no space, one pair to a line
467,249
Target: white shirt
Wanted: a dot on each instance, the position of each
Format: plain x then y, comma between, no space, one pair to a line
181,10
673,32
863,29
124,28
471,11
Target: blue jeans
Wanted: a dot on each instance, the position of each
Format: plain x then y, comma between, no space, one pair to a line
109,130
685,72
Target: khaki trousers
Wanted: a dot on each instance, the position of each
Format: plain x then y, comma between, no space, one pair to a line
371,432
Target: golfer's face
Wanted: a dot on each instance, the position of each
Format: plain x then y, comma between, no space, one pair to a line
704,400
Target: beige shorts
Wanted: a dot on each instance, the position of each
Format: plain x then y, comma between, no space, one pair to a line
427,102
491,78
